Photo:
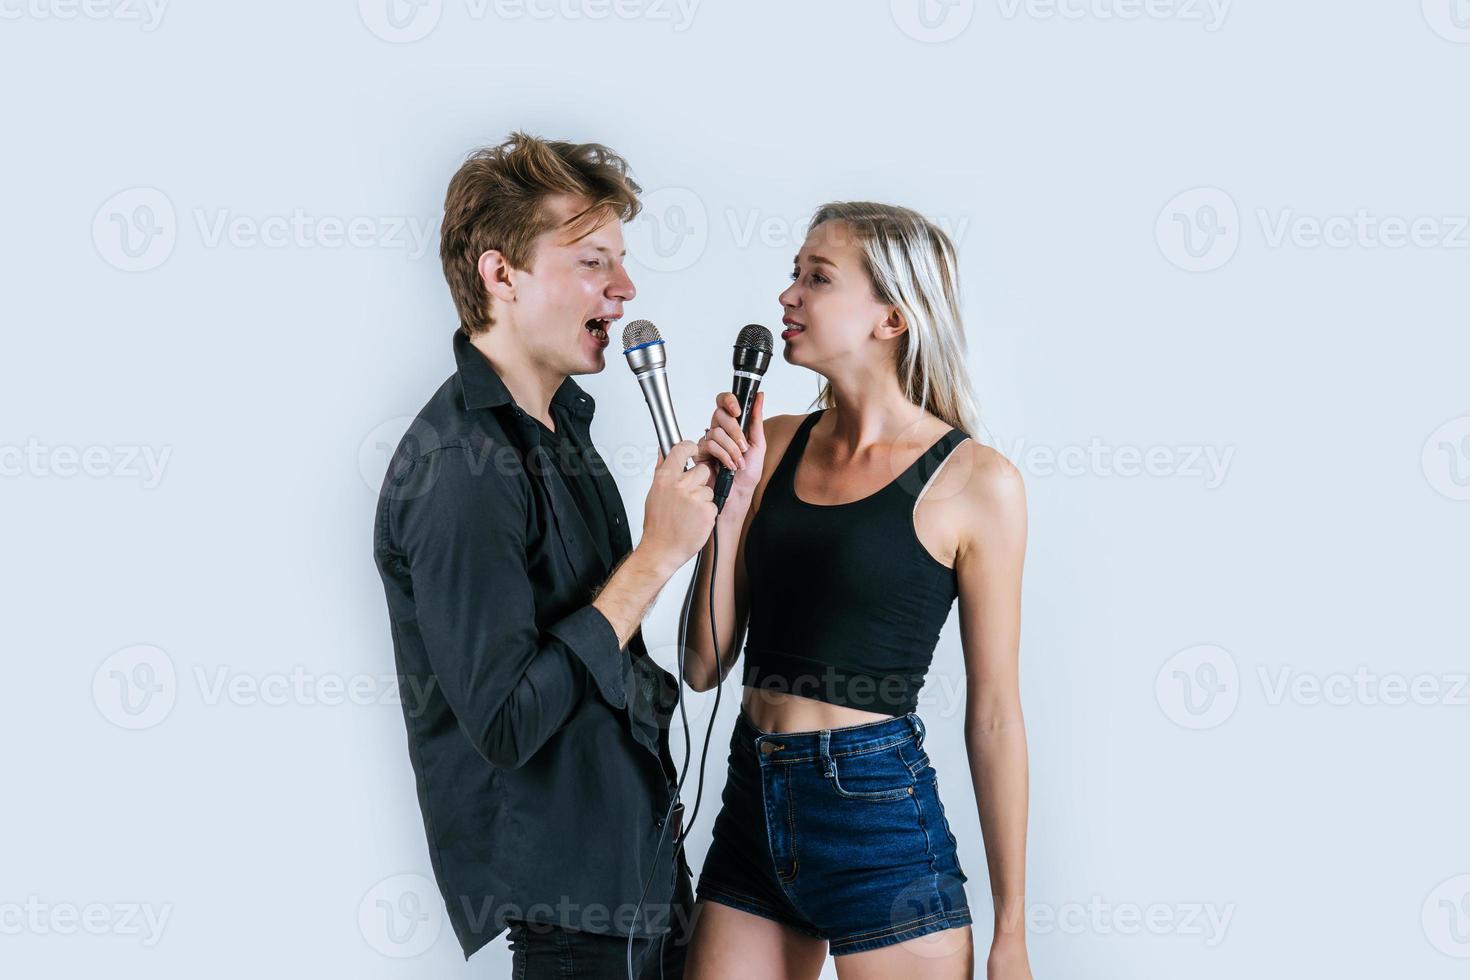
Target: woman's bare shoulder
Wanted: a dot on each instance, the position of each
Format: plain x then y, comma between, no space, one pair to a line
990,494
978,486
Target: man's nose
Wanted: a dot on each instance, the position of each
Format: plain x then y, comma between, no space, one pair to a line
621,286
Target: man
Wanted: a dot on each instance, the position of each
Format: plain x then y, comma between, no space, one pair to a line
540,737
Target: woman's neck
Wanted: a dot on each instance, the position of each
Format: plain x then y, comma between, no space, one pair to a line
871,414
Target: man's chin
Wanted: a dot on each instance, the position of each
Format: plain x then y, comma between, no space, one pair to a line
591,363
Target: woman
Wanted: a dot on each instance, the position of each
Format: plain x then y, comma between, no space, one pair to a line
844,559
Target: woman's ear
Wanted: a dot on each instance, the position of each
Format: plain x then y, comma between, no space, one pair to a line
497,275
893,324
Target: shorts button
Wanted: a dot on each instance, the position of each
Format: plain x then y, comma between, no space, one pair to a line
768,747
911,791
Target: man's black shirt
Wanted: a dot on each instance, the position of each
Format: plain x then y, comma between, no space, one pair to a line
576,466
539,747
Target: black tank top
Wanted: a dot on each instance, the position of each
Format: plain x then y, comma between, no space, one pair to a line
846,603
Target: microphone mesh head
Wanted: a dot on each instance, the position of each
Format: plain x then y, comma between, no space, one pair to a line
639,332
755,336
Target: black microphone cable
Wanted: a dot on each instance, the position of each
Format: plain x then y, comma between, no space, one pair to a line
753,350
684,717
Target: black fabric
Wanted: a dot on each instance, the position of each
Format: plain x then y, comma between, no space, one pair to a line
846,603
579,467
540,749
553,953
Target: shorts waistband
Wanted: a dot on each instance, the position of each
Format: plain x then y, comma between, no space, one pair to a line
827,742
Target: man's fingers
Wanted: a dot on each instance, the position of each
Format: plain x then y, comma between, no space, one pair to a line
679,453
698,473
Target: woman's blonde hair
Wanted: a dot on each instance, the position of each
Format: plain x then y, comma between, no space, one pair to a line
912,266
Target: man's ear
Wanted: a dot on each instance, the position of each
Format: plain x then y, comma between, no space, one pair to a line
497,275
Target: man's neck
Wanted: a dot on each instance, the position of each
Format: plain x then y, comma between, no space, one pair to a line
530,384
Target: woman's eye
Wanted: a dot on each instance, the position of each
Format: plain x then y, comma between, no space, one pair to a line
818,277
594,263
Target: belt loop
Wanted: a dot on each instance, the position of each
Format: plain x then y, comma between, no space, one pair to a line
824,740
918,725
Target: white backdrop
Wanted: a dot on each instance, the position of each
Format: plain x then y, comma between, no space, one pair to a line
1214,266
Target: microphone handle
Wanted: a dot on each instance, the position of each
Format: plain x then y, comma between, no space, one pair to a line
746,385
655,385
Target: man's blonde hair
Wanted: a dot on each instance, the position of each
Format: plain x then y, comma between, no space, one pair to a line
497,200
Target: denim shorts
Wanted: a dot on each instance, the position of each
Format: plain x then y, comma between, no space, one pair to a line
837,833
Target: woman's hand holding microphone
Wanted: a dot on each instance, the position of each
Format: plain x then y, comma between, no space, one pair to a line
725,443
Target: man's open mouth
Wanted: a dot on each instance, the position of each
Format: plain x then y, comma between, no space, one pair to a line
598,327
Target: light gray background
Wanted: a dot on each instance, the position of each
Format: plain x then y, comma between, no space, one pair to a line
1244,687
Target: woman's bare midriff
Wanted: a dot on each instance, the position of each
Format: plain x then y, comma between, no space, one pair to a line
777,711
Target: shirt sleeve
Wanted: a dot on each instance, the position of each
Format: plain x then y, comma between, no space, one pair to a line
462,532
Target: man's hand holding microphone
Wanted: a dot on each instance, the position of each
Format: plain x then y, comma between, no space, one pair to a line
683,505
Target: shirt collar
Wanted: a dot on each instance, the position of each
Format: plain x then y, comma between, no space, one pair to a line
481,386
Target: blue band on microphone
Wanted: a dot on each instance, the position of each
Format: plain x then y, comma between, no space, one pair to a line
646,343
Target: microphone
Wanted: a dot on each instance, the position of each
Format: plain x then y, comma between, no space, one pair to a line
644,349
752,357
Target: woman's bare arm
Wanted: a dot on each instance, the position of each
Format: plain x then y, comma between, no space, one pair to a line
732,610
988,566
